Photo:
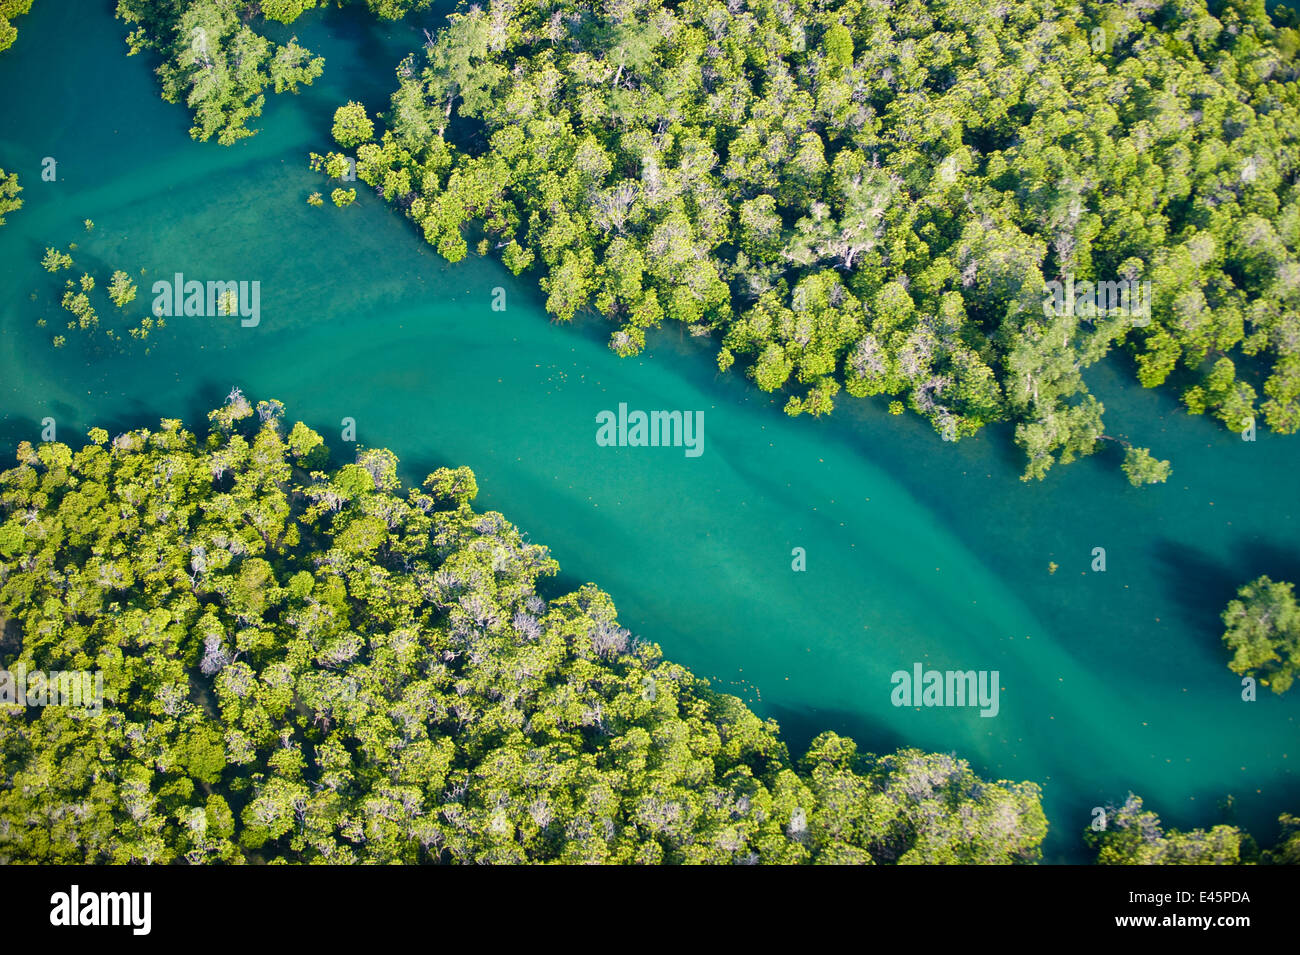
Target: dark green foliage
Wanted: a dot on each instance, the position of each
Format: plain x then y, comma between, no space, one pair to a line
305,665
1287,850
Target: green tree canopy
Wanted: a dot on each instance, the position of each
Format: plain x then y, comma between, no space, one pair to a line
312,664
1263,632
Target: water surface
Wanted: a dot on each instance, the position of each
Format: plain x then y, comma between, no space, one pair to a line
916,550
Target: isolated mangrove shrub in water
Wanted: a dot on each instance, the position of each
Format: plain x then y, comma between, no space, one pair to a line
1263,632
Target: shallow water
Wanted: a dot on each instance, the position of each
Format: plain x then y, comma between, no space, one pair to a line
916,550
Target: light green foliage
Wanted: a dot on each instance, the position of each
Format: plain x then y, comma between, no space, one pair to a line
837,48
311,665
307,448
121,289
343,197
54,260
77,299
215,63
78,303
1134,836
352,126
1263,632
9,187
870,197
286,11
916,808
292,65
1141,468
9,33
396,9
334,165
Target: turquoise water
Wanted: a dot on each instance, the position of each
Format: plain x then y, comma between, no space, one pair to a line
916,550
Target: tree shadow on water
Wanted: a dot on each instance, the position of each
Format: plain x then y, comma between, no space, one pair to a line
1199,586
13,430
1276,560
801,725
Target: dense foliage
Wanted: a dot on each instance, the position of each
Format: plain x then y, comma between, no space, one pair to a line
1287,851
9,190
1134,836
307,664
214,62
8,32
870,196
1263,632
